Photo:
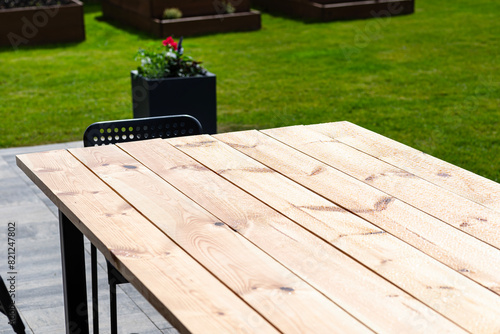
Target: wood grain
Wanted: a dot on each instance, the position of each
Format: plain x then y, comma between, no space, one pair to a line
285,300
171,280
461,213
258,232
439,172
461,252
450,293
343,280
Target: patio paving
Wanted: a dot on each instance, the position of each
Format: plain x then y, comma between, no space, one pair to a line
39,295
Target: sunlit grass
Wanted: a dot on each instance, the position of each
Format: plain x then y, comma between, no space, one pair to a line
430,80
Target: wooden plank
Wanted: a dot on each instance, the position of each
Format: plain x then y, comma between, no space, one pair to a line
184,292
285,300
431,282
461,213
439,172
365,295
456,249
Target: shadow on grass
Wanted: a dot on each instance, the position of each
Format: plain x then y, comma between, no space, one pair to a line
50,46
90,7
281,15
150,36
125,27
278,14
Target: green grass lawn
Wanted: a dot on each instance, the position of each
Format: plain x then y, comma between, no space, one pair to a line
430,80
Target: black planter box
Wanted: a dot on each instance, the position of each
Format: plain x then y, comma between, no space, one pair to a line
195,96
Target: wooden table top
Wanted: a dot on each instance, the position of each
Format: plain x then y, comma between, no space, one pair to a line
326,228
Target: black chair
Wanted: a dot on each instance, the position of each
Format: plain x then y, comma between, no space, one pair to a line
8,308
112,132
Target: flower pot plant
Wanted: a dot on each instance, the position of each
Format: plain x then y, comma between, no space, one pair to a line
30,22
168,82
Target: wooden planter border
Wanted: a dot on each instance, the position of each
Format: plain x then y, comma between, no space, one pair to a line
187,26
191,26
332,10
42,25
189,8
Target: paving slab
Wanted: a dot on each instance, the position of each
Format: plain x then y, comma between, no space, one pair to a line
39,295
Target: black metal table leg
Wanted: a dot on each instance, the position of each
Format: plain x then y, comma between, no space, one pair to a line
95,288
74,279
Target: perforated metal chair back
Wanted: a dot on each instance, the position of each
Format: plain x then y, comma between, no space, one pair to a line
112,132
120,131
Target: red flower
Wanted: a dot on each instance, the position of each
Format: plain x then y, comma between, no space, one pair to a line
170,42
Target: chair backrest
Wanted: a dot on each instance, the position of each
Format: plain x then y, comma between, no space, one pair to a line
120,131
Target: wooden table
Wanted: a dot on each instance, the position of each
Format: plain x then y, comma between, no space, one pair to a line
326,228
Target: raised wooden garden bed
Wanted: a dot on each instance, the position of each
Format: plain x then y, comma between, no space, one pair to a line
331,10
42,25
199,16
